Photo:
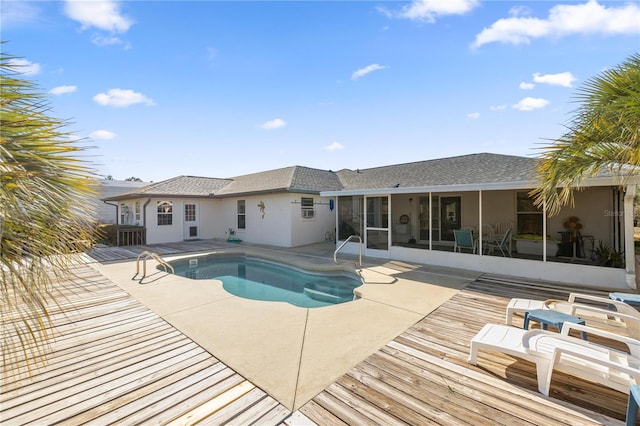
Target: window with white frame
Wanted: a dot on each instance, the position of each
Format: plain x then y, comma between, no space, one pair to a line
241,214
189,212
124,211
137,212
306,207
165,213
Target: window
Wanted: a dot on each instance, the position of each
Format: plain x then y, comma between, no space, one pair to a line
189,212
124,210
241,215
137,212
529,216
307,207
165,213
378,212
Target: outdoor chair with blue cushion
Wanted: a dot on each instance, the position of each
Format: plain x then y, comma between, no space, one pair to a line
504,245
464,240
628,298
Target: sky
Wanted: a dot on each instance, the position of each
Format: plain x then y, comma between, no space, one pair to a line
160,89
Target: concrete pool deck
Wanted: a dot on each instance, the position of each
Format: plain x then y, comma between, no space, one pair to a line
293,353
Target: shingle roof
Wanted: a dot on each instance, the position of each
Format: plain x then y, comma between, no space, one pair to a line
465,169
288,179
184,186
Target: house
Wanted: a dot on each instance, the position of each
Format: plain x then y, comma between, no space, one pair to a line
105,213
409,212
280,207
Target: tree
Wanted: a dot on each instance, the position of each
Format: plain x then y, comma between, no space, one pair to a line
603,136
44,190
133,179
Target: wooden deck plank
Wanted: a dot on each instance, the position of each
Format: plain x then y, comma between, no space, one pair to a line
425,369
112,361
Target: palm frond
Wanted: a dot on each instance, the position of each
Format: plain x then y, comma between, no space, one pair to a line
45,187
603,137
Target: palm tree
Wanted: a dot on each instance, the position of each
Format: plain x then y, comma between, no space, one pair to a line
604,136
44,185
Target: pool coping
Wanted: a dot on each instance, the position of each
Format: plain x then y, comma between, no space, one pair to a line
293,353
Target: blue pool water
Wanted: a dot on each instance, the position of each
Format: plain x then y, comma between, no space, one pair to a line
258,279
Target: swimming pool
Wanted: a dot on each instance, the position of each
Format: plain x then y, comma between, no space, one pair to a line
261,279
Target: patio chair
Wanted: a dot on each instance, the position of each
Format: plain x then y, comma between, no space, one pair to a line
464,240
551,351
504,244
628,298
611,315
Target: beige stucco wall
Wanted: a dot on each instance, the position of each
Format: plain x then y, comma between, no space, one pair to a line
281,225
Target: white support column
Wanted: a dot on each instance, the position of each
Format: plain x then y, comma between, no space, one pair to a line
337,220
389,221
480,224
430,227
629,249
544,231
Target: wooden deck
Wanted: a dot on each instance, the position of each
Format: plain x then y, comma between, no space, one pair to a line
115,362
422,376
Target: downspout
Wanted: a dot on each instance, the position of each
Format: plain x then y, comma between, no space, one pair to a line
144,218
117,233
629,249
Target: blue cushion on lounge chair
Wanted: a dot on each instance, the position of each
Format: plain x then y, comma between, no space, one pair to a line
628,298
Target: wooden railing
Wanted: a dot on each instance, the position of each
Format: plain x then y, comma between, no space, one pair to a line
131,236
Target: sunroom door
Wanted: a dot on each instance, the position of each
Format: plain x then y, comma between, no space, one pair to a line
191,221
377,229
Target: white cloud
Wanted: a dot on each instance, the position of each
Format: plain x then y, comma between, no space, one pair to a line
102,134
101,14
563,20
121,98
334,146
24,67
61,90
366,70
473,115
100,40
529,104
526,86
429,10
276,123
19,12
212,53
564,79
520,10
498,107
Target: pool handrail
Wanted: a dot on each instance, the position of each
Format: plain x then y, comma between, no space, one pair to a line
149,254
335,253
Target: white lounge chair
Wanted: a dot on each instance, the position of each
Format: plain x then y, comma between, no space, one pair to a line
552,351
623,319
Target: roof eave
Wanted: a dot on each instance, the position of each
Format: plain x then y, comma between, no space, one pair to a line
487,186
167,195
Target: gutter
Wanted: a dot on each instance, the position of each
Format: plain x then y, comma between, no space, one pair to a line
488,186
